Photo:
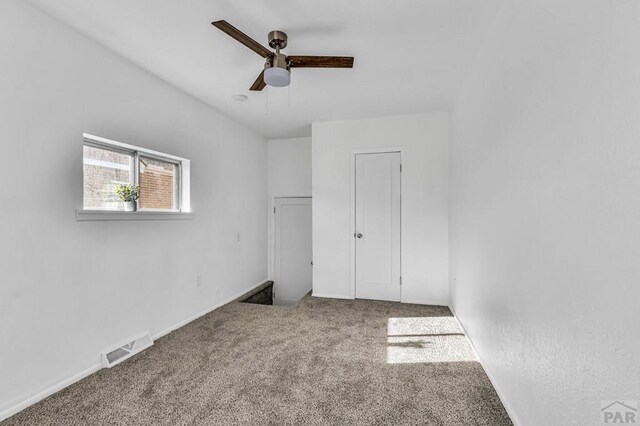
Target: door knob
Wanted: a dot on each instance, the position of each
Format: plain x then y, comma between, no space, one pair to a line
359,235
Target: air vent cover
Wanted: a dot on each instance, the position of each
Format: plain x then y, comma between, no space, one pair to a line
126,350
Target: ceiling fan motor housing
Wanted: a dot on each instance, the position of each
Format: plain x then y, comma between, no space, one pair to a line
278,60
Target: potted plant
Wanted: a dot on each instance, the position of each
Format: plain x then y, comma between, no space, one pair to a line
129,193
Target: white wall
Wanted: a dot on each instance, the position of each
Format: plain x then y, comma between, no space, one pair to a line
289,171
425,206
545,195
71,289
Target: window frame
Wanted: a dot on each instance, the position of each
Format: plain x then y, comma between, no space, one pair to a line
183,177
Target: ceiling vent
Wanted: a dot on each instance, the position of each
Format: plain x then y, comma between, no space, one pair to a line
126,350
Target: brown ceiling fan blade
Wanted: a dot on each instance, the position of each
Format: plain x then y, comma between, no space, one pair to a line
321,61
242,38
259,84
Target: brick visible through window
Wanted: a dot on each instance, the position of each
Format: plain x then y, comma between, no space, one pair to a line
158,184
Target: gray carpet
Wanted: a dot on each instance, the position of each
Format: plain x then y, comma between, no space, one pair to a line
323,361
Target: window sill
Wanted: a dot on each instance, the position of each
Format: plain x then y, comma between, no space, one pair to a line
100,215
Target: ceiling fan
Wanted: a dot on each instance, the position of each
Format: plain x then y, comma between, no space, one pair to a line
277,68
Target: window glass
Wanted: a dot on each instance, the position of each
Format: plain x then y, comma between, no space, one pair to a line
158,181
103,170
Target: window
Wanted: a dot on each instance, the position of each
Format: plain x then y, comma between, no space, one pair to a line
163,178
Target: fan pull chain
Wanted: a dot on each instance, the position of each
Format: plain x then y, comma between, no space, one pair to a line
266,112
289,87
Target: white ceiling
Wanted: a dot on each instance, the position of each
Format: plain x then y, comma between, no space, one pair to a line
410,55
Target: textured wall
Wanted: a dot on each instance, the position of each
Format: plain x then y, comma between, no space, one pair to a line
545,195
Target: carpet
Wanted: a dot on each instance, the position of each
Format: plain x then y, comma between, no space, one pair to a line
320,362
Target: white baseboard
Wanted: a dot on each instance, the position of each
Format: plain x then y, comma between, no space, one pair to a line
490,375
158,335
424,302
412,301
8,412
39,396
331,296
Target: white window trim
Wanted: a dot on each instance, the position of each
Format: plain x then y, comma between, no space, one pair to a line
146,214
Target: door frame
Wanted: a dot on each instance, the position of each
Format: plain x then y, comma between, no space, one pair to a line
352,213
272,226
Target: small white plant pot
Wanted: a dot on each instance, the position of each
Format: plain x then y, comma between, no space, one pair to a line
130,206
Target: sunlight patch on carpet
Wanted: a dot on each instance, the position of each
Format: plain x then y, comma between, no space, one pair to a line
426,340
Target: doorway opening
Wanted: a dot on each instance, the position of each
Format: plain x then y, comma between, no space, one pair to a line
293,260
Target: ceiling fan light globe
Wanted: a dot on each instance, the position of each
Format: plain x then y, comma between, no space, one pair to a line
277,77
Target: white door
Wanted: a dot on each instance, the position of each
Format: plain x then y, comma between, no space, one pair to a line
377,227
292,254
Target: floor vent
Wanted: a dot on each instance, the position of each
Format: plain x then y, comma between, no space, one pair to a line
124,351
